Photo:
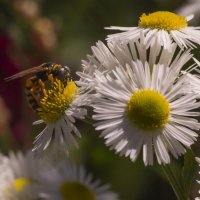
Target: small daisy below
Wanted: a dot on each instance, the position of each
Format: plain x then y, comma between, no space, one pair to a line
160,27
58,108
17,174
69,182
149,109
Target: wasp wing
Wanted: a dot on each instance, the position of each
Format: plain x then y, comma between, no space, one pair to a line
26,72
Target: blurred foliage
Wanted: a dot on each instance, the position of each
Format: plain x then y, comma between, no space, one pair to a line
63,32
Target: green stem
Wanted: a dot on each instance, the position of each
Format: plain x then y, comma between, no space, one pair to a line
175,182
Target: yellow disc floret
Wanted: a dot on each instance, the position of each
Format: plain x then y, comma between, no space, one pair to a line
76,191
18,185
148,109
162,20
56,100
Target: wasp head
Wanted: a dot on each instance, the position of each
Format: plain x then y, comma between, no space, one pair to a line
64,73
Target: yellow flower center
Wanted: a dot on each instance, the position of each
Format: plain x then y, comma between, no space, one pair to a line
18,184
56,100
76,191
162,20
148,109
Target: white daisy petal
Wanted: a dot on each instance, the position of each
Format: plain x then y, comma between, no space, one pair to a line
148,152
161,151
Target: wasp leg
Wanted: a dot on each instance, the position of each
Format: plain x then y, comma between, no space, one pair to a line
35,96
50,77
42,85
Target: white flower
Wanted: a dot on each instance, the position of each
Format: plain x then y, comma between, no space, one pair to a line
160,27
102,59
67,181
59,109
17,173
147,108
106,58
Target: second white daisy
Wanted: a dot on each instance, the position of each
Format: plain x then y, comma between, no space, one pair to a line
146,109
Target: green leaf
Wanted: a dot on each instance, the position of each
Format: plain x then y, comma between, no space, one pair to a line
189,171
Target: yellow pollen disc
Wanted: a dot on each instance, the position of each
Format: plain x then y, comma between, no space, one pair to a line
18,185
148,109
162,20
56,101
76,191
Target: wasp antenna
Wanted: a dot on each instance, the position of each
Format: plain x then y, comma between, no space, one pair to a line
7,79
10,78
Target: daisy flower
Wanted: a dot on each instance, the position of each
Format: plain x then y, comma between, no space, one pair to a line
18,172
102,59
59,109
67,181
162,27
106,57
147,108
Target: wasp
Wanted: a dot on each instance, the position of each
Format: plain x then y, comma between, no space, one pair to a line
36,84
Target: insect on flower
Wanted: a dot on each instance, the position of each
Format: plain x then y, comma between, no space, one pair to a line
55,97
42,76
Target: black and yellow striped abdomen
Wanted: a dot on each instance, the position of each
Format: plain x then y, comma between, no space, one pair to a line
33,92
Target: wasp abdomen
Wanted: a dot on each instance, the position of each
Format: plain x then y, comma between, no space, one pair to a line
32,91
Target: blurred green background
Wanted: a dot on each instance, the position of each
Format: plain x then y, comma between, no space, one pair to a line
37,31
